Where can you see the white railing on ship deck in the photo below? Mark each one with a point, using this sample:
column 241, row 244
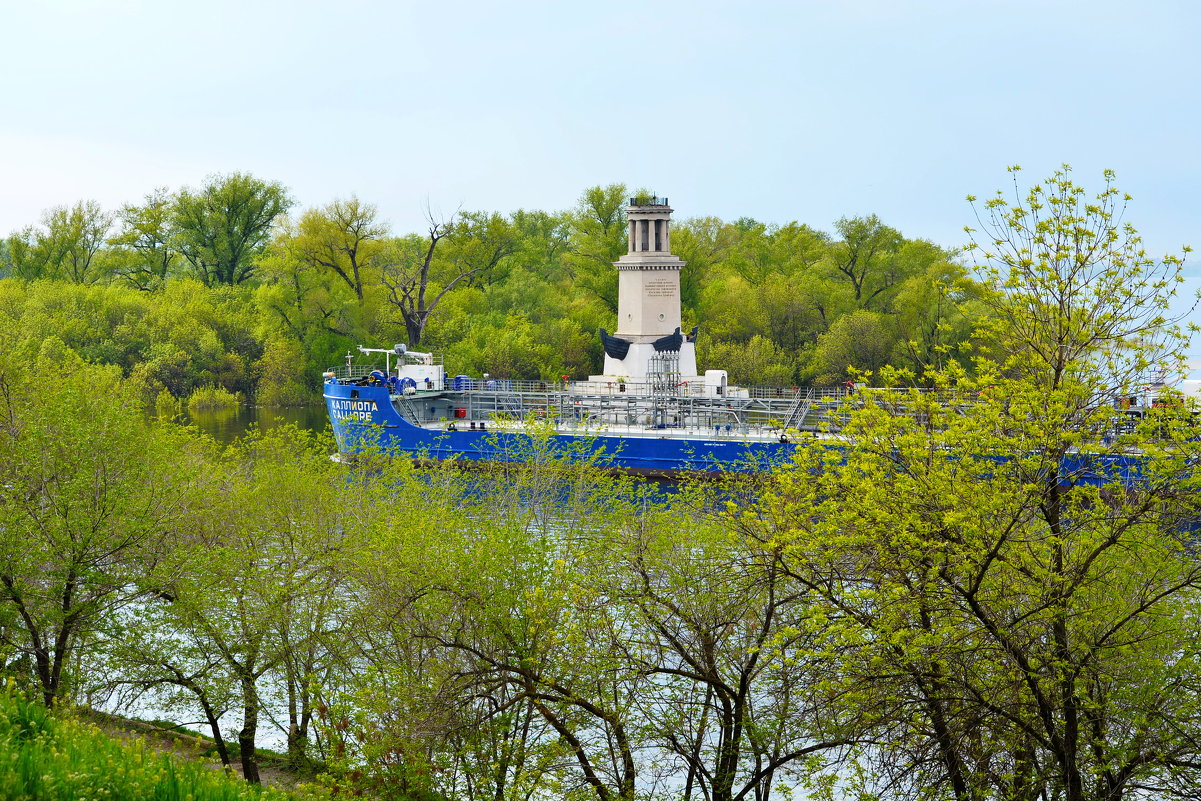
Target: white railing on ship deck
column 776, row 408
column 683, row 389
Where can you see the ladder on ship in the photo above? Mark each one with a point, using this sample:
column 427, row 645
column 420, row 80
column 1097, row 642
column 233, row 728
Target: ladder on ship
column 664, row 374
column 408, row 410
column 799, row 410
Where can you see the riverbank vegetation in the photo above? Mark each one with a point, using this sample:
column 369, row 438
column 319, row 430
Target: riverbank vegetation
column 958, row 602
column 229, row 286
column 58, row 756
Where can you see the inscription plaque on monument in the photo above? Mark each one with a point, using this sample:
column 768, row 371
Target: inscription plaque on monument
column 659, row 288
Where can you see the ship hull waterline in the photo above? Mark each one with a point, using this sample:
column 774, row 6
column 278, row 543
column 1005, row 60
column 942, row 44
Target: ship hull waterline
column 363, row 417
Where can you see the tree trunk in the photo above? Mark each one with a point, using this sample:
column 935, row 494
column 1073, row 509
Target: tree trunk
column 413, row 328
column 250, row 724
column 218, row 739
column 298, row 718
column 298, row 746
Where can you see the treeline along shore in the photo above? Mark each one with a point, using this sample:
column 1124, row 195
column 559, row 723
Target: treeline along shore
column 939, row 607
column 229, row 290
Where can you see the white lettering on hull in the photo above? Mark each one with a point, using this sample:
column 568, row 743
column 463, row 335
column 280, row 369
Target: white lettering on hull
column 360, row 410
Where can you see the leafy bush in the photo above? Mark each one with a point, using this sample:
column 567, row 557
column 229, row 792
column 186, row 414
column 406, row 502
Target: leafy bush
column 214, row 398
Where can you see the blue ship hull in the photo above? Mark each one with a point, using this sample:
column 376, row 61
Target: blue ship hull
column 364, row 417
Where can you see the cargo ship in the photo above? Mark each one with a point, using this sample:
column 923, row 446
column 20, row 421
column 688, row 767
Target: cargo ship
column 650, row 412
column 619, row 425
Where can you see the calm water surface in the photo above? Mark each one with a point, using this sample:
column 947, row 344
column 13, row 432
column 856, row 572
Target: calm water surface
column 226, row 425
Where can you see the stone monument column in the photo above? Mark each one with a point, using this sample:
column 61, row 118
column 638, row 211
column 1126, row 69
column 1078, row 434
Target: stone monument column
column 648, row 293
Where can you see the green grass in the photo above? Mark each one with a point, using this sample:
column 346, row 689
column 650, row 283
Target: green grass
column 201, row 744
column 54, row 757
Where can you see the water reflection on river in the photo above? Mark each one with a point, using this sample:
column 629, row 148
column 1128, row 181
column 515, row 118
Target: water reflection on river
column 227, row 424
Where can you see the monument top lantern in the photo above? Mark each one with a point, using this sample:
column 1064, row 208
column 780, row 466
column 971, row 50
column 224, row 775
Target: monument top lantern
column 650, row 225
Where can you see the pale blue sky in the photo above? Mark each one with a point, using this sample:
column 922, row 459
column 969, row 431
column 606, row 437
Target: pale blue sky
column 802, row 111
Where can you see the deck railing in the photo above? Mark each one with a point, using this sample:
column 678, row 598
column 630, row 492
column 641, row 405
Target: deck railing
column 352, row 372
column 617, row 402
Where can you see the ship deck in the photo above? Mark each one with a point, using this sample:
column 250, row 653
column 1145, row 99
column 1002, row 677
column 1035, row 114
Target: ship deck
column 587, row 408
column 655, row 411
column 623, row 430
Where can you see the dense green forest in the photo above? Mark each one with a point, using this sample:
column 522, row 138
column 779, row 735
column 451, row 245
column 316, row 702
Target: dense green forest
column 229, row 288
column 938, row 607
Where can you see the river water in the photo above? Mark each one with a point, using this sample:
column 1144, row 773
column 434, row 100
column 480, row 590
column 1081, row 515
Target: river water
column 227, row 424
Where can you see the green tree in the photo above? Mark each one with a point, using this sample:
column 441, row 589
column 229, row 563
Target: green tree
column 544, row 237
column 223, row 226
column 938, row 313
column 598, row 238
column 1007, row 616
column 1077, row 297
column 146, row 239
column 857, row 343
column 310, row 303
column 724, row 634
column 147, row 658
column 868, row 258
column 254, row 587
column 762, row 250
column 702, row 242
column 66, row 246
column 492, row 643
column 419, row 274
column 92, row 497
column 341, row 237
column 799, row 309
column 755, row 362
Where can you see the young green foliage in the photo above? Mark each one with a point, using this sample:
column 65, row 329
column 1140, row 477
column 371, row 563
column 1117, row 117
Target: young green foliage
column 1007, row 589
column 92, row 496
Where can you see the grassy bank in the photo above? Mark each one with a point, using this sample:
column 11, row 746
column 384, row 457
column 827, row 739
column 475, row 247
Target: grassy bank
column 51, row 756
